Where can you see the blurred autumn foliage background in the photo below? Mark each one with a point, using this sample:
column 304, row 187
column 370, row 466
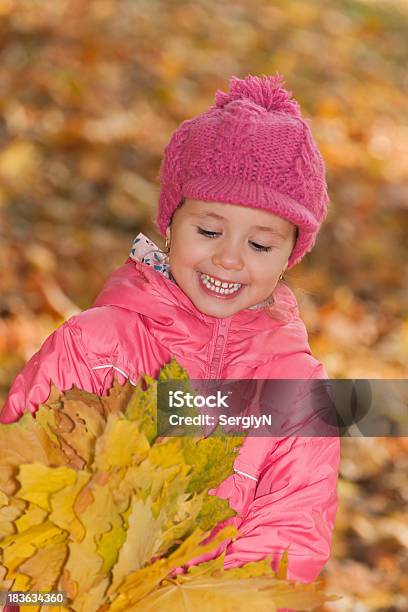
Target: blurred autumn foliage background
column 90, row 92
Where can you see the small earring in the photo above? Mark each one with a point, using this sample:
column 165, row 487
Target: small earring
column 280, row 276
column 167, row 245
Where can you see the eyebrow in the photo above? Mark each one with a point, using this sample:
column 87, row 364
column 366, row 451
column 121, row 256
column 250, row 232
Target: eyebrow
column 262, row 228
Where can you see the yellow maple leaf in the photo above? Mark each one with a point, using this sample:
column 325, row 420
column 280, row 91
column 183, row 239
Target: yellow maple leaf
column 38, row 481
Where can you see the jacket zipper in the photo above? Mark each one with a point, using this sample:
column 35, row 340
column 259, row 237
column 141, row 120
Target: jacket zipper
column 215, row 368
column 218, row 348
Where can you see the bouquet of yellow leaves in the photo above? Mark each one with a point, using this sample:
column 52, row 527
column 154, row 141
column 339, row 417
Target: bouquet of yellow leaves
column 93, row 504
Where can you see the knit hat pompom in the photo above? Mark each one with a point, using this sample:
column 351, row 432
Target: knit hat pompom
column 266, row 91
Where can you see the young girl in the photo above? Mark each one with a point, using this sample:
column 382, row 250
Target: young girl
column 243, row 196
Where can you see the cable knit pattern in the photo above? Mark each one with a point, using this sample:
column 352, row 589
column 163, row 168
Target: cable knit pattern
column 252, row 148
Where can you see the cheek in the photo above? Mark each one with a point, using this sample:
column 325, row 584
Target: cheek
column 266, row 281
column 194, row 252
column 184, row 259
column 256, row 273
column 265, row 269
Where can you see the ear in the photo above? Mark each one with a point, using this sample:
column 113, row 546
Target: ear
column 168, row 234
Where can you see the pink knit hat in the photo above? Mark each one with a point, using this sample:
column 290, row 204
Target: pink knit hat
column 252, row 148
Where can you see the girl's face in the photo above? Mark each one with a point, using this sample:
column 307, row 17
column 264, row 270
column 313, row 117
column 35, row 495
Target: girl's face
column 214, row 244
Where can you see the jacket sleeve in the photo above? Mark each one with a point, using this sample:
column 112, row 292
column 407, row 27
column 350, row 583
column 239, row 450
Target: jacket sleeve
column 292, row 505
column 295, row 502
column 297, row 510
column 61, row 360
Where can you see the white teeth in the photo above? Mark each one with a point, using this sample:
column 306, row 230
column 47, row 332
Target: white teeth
column 218, row 286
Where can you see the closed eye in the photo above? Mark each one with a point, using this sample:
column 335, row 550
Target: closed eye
column 255, row 245
column 207, row 233
column 259, row 247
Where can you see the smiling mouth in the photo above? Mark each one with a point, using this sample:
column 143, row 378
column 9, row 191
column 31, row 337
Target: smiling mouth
column 219, row 287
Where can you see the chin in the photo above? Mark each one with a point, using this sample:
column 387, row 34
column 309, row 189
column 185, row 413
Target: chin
column 220, row 313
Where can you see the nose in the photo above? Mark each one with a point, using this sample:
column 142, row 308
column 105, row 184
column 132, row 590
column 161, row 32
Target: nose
column 228, row 256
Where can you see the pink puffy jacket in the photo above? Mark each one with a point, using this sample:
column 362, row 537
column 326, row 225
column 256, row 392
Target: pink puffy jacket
column 283, row 489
